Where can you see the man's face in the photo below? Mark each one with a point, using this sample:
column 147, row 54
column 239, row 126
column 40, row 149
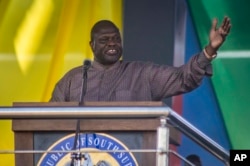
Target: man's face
column 107, row 45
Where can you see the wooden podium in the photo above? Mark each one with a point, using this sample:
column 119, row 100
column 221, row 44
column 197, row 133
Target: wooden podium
column 27, row 130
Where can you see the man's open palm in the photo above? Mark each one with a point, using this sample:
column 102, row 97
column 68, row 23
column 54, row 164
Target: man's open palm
column 218, row 35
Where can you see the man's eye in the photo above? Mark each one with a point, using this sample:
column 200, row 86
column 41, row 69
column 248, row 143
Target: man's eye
column 103, row 40
column 118, row 39
column 106, row 40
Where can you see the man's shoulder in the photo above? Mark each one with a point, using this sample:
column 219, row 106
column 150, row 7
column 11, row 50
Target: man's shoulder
column 74, row 71
column 137, row 63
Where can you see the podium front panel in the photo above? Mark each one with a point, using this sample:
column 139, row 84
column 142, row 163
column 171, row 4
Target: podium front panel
column 42, row 133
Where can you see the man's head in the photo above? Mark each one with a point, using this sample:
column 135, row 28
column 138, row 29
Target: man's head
column 106, row 42
column 194, row 159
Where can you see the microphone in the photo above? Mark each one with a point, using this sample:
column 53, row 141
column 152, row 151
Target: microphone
column 86, row 65
column 76, row 157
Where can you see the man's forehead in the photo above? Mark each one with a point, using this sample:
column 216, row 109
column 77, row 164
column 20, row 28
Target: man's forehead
column 107, row 30
column 104, row 27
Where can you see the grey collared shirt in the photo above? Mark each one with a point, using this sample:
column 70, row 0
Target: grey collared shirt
column 132, row 81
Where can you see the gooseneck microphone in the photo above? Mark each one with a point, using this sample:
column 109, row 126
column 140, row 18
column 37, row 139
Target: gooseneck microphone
column 76, row 157
column 86, row 65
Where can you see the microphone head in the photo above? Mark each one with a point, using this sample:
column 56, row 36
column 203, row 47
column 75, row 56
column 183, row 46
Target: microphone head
column 86, row 64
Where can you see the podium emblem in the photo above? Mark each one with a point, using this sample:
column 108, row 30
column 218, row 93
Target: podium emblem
column 97, row 149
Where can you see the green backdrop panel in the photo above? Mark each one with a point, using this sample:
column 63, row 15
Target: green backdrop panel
column 231, row 83
column 231, row 68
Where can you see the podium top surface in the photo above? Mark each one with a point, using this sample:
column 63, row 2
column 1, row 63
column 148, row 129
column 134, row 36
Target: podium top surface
column 91, row 104
column 88, row 110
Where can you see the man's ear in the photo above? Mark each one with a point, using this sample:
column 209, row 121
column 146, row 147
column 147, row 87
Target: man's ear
column 92, row 45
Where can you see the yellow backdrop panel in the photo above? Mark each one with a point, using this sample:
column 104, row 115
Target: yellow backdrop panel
column 41, row 40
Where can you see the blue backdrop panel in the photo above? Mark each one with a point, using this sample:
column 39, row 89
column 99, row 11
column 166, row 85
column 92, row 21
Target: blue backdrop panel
column 200, row 108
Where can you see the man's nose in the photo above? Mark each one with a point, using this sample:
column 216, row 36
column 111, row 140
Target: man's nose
column 111, row 42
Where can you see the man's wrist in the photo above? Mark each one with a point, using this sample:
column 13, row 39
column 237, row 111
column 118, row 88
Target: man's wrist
column 210, row 57
column 210, row 53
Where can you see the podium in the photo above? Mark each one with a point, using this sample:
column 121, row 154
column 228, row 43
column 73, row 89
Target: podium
column 45, row 123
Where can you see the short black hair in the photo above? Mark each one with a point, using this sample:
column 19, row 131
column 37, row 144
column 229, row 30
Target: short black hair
column 101, row 24
column 194, row 159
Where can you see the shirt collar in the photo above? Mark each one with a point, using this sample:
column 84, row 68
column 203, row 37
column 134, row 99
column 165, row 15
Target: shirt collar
column 99, row 66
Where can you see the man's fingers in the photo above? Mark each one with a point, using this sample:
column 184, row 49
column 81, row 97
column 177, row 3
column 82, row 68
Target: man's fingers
column 228, row 29
column 214, row 24
column 226, row 23
column 223, row 29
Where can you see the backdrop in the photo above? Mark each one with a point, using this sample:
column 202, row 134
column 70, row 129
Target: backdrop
column 42, row 39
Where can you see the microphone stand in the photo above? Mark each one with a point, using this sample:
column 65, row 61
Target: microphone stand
column 84, row 82
column 77, row 157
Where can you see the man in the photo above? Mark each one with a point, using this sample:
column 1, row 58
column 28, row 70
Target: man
column 110, row 79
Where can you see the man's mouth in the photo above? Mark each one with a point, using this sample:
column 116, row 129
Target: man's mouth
column 111, row 52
